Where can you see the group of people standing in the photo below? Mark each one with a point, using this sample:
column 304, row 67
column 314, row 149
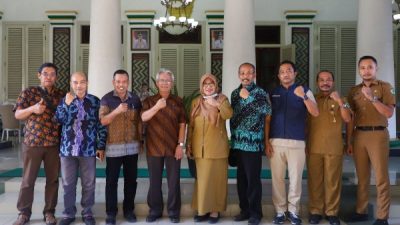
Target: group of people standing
column 290, row 125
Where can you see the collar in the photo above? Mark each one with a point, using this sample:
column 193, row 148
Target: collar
column 250, row 87
column 375, row 82
column 127, row 96
column 291, row 87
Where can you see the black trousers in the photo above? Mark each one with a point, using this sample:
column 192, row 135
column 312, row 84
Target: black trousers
column 154, row 196
column 249, row 183
column 129, row 164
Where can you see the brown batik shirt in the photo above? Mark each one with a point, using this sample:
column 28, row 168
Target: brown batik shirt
column 163, row 128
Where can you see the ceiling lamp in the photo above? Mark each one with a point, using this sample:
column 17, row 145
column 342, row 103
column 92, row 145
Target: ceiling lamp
column 177, row 19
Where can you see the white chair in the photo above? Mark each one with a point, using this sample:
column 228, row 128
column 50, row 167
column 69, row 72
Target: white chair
column 10, row 124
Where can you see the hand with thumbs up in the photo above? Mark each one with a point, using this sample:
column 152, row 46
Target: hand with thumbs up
column 39, row 107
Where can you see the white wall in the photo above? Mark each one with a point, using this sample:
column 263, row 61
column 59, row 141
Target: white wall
column 266, row 10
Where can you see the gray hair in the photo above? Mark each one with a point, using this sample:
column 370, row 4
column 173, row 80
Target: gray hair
column 167, row 71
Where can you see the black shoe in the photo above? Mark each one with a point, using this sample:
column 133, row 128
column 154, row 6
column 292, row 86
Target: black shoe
column 241, row 217
column 381, row 222
column 110, row 220
column 174, row 219
column 201, row 218
column 333, row 220
column 314, row 218
column 152, row 218
column 358, row 217
column 280, row 218
column 294, row 218
column 212, row 220
column 66, row 221
column 253, row 221
column 130, row 217
column 89, row 220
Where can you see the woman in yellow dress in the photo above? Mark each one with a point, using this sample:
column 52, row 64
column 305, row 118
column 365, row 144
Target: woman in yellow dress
column 208, row 145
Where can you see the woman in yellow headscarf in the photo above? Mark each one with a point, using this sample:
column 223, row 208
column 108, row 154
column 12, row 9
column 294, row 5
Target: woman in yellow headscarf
column 208, row 145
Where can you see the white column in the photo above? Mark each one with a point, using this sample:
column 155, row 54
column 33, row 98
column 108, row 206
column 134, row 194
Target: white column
column 105, row 55
column 375, row 37
column 239, row 41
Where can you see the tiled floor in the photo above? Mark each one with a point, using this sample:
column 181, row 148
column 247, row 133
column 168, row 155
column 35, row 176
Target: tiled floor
column 11, row 158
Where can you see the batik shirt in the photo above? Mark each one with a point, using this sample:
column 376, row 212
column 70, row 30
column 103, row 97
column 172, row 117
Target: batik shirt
column 82, row 132
column 40, row 129
column 247, row 122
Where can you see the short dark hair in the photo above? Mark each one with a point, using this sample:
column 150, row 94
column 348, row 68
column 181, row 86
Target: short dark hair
column 120, row 72
column 247, row 64
column 325, row 71
column 288, row 62
column 48, row 64
column 365, row 57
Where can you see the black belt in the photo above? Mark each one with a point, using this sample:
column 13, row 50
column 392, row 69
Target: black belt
column 370, row 128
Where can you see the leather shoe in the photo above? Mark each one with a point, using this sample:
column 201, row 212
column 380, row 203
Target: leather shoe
column 110, row 220
column 358, row 217
column 254, row 221
column 241, row 217
column 152, row 218
column 314, row 218
column 130, row 217
column 213, row 220
column 174, row 219
column 380, row 222
column 201, row 218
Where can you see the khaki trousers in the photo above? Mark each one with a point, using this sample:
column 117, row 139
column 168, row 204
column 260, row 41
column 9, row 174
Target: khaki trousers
column 293, row 159
column 324, row 183
column 32, row 159
column 371, row 148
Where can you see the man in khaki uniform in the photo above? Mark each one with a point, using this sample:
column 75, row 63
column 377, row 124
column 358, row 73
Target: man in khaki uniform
column 325, row 151
column 373, row 103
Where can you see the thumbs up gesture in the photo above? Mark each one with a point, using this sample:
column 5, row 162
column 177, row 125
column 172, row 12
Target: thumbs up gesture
column 39, row 107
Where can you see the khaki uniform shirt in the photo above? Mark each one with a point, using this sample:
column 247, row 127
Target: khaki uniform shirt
column 207, row 140
column 325, row 130
column 365, row 113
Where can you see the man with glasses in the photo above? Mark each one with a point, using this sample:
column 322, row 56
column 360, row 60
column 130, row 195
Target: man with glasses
column 291, row 103
column 37, row 106
column 120, row 112
column 164, row 115
column 251, row 109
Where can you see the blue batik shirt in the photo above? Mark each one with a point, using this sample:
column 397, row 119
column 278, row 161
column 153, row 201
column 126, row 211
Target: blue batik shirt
column 82, row 133
column 247, row 122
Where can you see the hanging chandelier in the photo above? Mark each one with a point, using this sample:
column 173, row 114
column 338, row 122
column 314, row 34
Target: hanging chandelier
column 177, row 19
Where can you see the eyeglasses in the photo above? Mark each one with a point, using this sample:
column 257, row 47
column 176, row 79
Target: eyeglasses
column 164, row 81
column 208, row 84
column 48, row 74
column 246, row 73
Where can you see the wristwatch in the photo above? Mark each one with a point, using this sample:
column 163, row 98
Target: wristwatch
column 374, row 99
column 305, row 97
column 181, row 144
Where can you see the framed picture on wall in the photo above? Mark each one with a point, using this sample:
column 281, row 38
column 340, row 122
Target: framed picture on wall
column 140, row 38
column 216, row 39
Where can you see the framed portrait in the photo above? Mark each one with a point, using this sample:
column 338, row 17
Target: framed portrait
column 140, row 38
column 216, row 39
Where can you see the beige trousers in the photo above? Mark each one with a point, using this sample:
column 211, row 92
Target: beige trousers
column 292, row 159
